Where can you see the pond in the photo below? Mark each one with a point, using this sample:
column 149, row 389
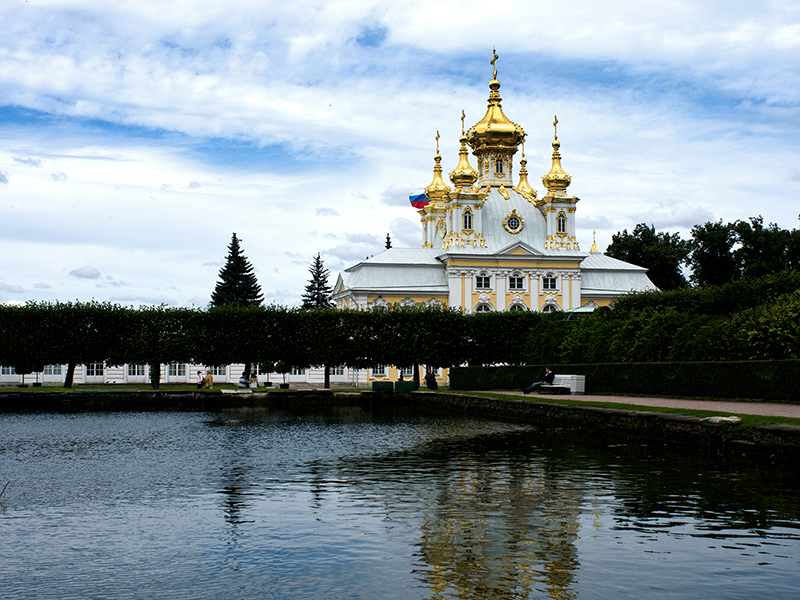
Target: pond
column 359, row 503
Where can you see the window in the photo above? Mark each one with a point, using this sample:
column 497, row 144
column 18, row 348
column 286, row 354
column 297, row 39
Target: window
column 498, row 166
column 517, row 307
column 94, row 370
column 52, row 370
column 8, row 370
column 515, row 283
column 298, row 371
column 379, row 371
column 136, row 371
column 177, row 370
column 467, row 219
column 548, row 308
column 561, row 223
column 483, row 308
column 483, row 282
column 549, row 282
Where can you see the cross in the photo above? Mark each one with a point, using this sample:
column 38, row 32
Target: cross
column 555, row 125
column 463, row 116
column 493, row 62
column 437, row 141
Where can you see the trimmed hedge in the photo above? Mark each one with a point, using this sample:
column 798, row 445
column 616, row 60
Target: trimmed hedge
column 765, row 380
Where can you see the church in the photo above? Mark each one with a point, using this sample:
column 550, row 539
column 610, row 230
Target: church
column 490, row 241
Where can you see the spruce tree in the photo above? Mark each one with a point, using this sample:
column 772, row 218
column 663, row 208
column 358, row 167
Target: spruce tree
column 238, row 283
column 318, row 292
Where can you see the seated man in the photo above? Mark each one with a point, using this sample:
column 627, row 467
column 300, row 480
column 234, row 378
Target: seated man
column 548, row 379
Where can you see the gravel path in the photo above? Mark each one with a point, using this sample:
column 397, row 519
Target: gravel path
column 723, row 406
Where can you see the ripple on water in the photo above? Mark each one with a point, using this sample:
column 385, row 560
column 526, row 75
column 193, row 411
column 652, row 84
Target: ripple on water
column 364, row 504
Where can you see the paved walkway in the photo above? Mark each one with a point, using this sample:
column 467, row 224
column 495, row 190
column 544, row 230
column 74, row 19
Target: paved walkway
column 723, row 406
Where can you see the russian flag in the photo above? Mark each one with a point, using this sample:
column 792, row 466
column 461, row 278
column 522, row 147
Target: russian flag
column 418, row 198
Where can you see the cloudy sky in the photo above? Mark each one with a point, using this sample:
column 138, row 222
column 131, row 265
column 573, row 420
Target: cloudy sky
column 137, row 135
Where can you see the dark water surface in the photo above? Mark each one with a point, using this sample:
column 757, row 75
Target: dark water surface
column 362, row 504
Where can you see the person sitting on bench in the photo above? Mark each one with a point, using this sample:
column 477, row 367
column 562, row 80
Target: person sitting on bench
column 548, row 379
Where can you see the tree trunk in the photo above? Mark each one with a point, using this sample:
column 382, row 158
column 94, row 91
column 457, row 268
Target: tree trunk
column 327, row 377
column 416, row 376
column 155, row 376
column 70, row 375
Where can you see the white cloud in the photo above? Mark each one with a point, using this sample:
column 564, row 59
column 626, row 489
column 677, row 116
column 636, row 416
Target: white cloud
column 85, row 273
column 326, row 212
column 179, row 123
column 34, row 162
column 12, row 289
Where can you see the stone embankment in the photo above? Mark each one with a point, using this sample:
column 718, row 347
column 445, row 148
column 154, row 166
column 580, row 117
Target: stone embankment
column 718, row 435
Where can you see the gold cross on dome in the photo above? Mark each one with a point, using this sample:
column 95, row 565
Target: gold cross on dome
column 437, row 141
column 493, row 62
column 555, row 125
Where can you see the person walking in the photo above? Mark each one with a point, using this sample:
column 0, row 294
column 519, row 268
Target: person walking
column 548, row 379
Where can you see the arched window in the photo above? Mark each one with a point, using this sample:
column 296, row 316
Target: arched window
column 482, row 308
column 517, row 307
column 467, row 219
column 549, row 282
column 548, row 308
column 561, row 222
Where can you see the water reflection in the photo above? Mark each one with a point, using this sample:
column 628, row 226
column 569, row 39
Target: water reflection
column 354, row 503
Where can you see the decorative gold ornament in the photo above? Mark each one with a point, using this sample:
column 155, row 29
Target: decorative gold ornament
column 524, row 187
column 463, row 176
column 513, row 222
column 556, row 181
column 438, row 190
column 504, row 192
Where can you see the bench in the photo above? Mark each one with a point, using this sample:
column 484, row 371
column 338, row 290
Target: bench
column 575, row 383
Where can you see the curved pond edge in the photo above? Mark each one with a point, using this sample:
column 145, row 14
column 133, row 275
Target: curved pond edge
column 774, row 440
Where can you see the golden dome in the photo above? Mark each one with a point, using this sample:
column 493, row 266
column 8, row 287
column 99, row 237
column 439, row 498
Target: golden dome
column 495, row 130
column 438, row 190
column 463, row 176
column 556, row 181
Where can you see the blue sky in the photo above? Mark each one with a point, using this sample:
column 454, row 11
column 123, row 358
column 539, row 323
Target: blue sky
column 137, row 136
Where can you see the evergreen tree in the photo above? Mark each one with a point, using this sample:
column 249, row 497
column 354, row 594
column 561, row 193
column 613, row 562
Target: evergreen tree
column 238, row 284
column 318, row 292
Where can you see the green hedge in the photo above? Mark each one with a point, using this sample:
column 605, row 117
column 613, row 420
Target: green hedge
column 766, row 380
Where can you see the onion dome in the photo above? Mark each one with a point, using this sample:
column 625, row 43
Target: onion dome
column 524, row 187
column 463, row 176
column 556, row 181
column 495, row 130
column 438, row 190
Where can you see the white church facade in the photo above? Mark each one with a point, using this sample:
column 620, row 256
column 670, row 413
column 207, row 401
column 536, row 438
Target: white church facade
column 489, row 241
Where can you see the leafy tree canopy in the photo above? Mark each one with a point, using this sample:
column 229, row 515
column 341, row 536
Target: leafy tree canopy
column 238, row 284
column 661, row 253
